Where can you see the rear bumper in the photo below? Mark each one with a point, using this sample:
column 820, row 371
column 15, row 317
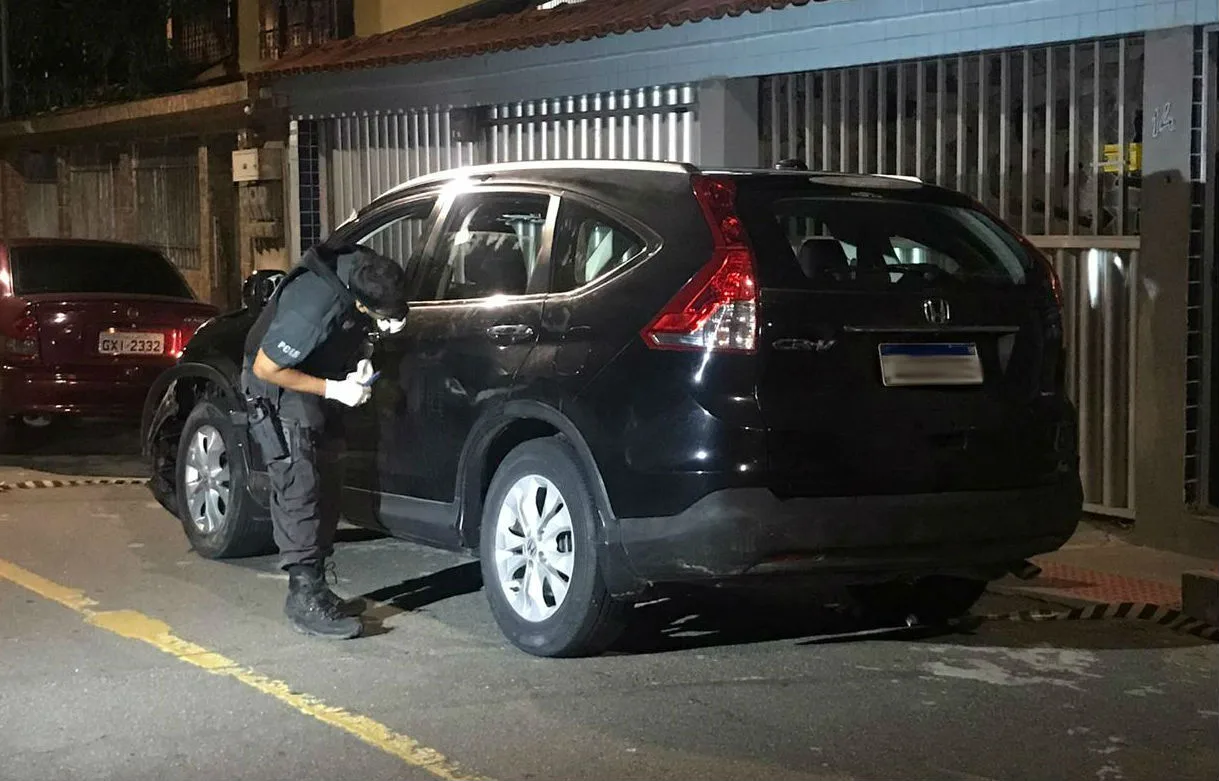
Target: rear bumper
column 104, row 392
column 751, row 532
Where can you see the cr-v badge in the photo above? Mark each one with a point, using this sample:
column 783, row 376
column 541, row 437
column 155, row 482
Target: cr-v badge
column 804, row 345
column 936, row 311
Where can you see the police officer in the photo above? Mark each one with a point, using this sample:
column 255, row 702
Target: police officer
column 307, row 353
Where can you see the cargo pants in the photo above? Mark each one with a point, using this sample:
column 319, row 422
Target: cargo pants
column 306, row 484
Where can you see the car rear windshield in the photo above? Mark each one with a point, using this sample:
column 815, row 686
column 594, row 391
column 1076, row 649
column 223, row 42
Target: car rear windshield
column 94, row 269
column 862, row 242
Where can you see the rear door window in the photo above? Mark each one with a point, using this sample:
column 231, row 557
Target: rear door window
column 589, row 245
column 858, row 242
column 65, row 269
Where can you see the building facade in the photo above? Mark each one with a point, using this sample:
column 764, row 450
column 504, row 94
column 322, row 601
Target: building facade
column 1088, row 124
column 147, row 162
column 191, row 161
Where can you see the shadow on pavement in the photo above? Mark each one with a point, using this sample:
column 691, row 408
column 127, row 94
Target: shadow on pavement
column 694, row 619
column 79, row 449
column 682, row 619
column 689, row 619
column 418, row 593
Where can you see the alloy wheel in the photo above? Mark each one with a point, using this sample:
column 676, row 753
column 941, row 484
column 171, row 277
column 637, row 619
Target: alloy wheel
column 207, row 479
column 534, row 548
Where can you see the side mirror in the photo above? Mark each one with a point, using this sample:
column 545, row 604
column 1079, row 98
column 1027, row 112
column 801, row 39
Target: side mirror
column 259, row 287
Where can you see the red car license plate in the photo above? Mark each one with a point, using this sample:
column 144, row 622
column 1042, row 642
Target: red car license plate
column 130, row 343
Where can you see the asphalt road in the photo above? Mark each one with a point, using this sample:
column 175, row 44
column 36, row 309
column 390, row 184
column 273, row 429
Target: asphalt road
column 93, row 687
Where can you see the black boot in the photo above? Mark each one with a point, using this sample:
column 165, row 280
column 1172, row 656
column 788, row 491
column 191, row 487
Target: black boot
column 309, row 610
column 348, row 607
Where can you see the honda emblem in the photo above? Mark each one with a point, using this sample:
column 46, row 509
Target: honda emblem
column 937, row 311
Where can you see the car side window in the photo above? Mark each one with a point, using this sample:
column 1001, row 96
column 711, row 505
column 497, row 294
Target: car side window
column 588, row 245
column 401, row 236
column 490, row 245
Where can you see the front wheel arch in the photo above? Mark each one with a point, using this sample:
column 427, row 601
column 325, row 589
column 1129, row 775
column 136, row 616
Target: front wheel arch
column 222, row 379
column 171, row 401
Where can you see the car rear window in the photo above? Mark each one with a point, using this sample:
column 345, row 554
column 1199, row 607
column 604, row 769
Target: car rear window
column 867, row 242
column 94, row 269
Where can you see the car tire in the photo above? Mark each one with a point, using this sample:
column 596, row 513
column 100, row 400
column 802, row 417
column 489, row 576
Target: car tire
column 931, row 600
column 219, row 517
column 586, row 620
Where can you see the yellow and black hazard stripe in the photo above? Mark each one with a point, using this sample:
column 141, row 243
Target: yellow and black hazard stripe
column 1171, row 618
column 28, row 485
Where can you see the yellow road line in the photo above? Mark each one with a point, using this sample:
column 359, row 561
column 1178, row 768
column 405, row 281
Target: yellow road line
column 137, row 626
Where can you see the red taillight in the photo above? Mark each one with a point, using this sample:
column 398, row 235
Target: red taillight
column 716, row 311
column 179, row 337
column 19, row 342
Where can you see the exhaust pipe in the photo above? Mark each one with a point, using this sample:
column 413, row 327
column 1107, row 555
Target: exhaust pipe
column 1026, row 570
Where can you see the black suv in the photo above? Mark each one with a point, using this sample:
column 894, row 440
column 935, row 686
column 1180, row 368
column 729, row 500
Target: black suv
column 619, row 375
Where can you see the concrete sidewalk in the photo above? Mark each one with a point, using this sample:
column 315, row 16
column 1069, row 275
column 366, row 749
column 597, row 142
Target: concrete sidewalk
column 1098, row 565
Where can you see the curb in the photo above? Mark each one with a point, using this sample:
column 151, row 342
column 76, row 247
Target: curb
column 28, row 485
column 1200, row 594
column 1171, row 618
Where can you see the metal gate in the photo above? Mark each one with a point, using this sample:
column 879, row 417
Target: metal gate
column 167, row 202
column 41, row 172
column 363, row 156
column 367, row 155
column 42, row 209
column 91, row 194
column 655, row 123
column 1048, row 138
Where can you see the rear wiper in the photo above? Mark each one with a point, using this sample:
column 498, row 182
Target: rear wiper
column 936, row 274
column 924, row 269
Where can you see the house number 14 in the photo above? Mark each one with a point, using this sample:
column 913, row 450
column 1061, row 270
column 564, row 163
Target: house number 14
column 1162, row 121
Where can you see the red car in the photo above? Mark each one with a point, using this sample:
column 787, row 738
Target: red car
column 85, row 329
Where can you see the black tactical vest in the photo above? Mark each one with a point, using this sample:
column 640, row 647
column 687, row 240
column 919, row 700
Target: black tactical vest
column 338, row 353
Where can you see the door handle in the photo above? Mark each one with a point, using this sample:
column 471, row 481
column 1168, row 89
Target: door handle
column 510, row 334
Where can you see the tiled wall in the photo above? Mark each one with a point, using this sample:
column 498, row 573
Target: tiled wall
column 1195, row 361
column 310, row 184
column 812, row 37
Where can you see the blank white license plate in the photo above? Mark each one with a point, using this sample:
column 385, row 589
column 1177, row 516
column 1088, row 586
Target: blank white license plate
column 930, row 364
column 131, row 343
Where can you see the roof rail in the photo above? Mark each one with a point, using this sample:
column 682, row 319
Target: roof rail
column 901, row 177
column 491, row 169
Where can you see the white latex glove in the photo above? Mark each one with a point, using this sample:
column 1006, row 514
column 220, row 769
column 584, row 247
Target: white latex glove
column 363, row 372
column 391, row 326
column 349, row 391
